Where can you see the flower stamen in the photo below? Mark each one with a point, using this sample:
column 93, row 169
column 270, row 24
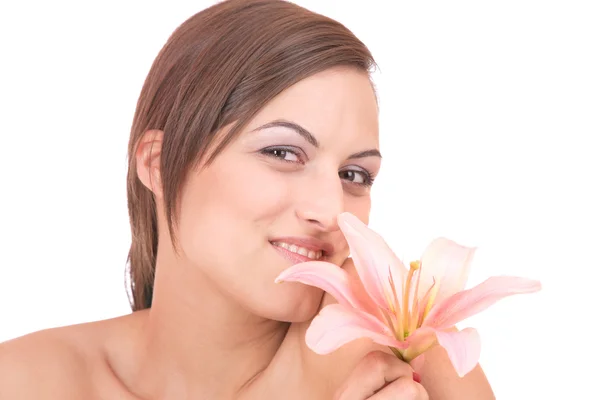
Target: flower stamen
column 414, row 265
column 414, row 323
column 431, row 294
column 396, row 309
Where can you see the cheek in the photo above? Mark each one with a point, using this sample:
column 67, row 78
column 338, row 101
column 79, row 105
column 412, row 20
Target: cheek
column 227, row 215
column 254, row 194
column 359, row 206
column 229, row 206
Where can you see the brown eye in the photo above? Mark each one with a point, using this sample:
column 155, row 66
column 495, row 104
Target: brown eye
column 356, row 177
column 279, row 153
column 282, row 153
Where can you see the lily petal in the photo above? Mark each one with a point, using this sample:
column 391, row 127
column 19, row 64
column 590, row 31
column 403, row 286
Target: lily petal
column 337, row 325
column 449, row 263
column 326, row 276
column 463, row 348
column 373, row 259
column 470, row 302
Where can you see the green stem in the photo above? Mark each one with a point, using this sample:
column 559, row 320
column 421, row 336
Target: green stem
column 397, row 353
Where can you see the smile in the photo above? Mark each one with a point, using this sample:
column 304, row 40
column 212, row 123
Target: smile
column 292, row 248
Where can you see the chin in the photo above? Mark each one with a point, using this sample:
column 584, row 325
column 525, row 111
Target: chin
column 296, row 303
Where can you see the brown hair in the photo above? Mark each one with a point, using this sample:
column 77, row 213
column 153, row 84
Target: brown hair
column 220, row 67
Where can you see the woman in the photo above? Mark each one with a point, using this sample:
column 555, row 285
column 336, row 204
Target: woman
column 257, row 125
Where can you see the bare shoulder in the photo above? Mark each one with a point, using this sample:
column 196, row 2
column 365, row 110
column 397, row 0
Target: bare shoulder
column 59, row 363
column 40, row 363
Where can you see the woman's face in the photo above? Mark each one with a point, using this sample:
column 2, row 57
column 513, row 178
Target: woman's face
column 271, row 198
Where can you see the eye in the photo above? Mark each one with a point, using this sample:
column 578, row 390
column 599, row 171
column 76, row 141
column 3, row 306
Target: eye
column 286, row 154
column 362, row 177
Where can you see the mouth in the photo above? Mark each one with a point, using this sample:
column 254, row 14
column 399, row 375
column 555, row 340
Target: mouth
column 304, row 252
column 299, row 250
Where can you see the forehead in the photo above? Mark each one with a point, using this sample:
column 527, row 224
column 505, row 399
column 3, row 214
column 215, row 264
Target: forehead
column 334, row 104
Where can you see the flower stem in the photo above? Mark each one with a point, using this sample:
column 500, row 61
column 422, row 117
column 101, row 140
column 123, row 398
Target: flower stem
column 397, row 353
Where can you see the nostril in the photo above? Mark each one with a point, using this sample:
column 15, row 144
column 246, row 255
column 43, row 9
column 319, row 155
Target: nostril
column 323, row 220
column 324, row 224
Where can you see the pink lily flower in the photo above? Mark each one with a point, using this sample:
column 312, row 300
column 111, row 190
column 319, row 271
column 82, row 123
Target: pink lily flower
column 407, row 309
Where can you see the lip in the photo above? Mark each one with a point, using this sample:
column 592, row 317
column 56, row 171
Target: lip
column 295, row 258
column 308, row 243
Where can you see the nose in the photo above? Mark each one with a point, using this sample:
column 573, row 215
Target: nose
column 320, row 205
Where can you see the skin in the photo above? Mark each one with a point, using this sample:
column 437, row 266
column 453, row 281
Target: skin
column 219, row 327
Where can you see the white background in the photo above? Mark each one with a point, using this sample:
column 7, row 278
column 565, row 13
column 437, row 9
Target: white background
column 490, row 120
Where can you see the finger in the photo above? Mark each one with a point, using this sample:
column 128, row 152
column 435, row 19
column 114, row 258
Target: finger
column 404, row 388
column 373, row 372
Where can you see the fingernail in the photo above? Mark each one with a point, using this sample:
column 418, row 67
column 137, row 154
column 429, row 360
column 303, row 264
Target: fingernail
column 416, row 377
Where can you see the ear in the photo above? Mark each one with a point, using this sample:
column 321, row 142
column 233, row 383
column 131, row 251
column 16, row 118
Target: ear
column 147, row 157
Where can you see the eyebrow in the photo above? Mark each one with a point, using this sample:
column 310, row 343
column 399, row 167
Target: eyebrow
column 366, row 153
column 310, row 138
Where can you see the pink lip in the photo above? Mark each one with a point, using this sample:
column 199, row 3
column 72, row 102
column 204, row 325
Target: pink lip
column 295, row 258
column 308, row 243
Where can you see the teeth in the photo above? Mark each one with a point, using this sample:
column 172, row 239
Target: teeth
column 313, row 255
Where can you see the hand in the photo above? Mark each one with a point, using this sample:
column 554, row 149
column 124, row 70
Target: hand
column 381, row 376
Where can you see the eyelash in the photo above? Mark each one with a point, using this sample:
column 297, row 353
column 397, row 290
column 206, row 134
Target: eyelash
column 295, row 151
column 369, row 178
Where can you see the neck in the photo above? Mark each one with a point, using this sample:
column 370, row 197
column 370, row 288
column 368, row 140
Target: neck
column 197, row 342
